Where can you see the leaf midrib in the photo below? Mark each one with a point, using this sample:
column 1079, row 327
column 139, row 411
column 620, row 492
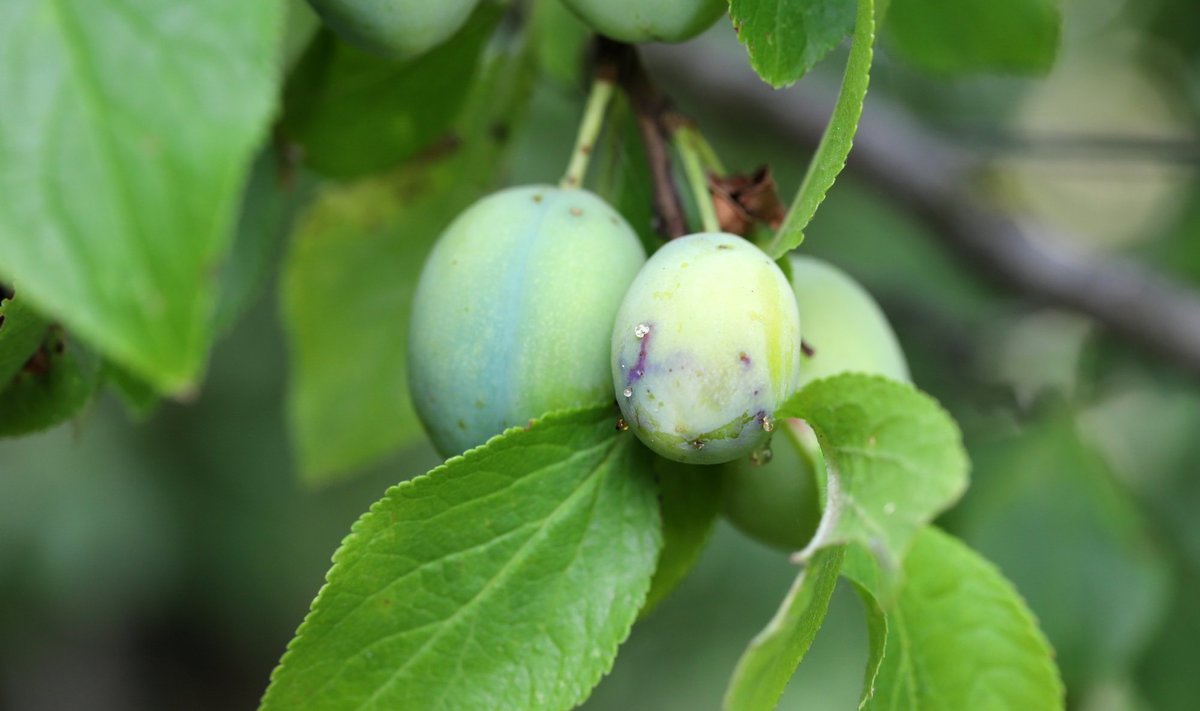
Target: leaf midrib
column 505, row 571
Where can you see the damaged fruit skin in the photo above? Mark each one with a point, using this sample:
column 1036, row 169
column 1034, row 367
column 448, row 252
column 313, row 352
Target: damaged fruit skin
column 705, row 346
column 777, row 502
column 400, row 29
column 513, row 312
column 640, row 21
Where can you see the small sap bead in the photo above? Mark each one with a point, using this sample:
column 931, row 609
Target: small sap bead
column 640, row 330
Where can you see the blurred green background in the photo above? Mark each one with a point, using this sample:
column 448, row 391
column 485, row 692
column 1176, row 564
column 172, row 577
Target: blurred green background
column 165, row 563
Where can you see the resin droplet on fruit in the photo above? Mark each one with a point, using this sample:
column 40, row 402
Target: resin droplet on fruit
column 707, row 341
column 396, row 28
column 641, row 21
column 513, row 313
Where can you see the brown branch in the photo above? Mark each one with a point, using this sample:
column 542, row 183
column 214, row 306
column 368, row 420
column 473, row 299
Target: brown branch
column 917, row 170
column 652, row 110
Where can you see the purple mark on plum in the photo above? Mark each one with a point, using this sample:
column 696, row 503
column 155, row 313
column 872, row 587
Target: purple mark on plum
column 639, row 368
column 744, row 359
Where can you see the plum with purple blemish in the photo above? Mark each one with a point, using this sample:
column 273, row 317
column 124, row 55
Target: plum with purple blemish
column 704, row 354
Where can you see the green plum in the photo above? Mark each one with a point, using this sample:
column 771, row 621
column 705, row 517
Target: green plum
column 513, row 312
column 776, row 502
column 705, row 345
column 774, row 497
column 396, row 28
column 844, row 328
column 641, row 21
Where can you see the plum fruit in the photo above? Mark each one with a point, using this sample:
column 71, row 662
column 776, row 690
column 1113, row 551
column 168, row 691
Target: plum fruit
column 400, row 29
column 641, row 21
column 513, row 312
column 705, row 345
column 843, row 326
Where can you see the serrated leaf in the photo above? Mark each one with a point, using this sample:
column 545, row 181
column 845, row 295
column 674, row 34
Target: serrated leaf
column 950, row 36
column 127, row 132
column 504, row 579
column 21, row 332
column 353, row 112
column 838, row 138
column 959, row 636
column 54, row 383
column 1045, row 484
column 350, row 273
column 785, row 38
column 768, row 663
column 689, row 501
column 894, row 460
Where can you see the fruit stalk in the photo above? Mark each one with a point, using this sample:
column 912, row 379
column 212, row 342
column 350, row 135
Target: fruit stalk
column 697, row 176
column 603, row 87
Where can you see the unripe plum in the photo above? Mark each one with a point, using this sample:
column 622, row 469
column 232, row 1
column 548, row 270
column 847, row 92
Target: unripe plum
column 513, row 312
column 705, row 345
column 641, row 21
column 844, row 327
column 776, row 502
column 774, row 499
column 395, row 28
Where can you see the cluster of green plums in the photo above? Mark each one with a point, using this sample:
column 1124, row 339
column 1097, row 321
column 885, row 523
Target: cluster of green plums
column 407, row 28
column 539, row 298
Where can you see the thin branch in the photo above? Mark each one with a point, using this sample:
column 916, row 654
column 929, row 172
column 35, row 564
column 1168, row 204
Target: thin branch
column 650, row 109
column 917, row 170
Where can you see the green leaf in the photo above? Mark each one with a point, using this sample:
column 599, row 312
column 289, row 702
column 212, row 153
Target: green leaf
column 504, row 579
column 785, row 38
column 959, row 636
column 835, row 144
column 949, row 36
column 353, row 113
column 1045, row 484
column 127, row 133
column 274, row 193
column 350, row 273
column 877, row 631
column 21, row 332
column 894, row 460
column 689, row 501
column 54, row 383
column 139, row 397
column 773, row 655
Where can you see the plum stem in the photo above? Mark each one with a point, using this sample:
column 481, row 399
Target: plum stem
column 652, row 111
column 603, row 89
column 690, row 152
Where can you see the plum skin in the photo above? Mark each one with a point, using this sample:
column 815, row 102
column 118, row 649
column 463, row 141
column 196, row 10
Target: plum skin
column 641, row 21
column 705, row 346
column 777, row 502
column 400, row 29
column 513, row 312
column 845, row 328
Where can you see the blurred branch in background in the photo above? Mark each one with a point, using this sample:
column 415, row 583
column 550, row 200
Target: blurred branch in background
column 934, row 180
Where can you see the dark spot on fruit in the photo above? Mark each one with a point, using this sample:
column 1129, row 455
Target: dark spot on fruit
column 744, row 359
column 462, row 425
column 806, row 349
column 537, row 197
column 724, row 246
column 576, row 212
column 479, row 404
